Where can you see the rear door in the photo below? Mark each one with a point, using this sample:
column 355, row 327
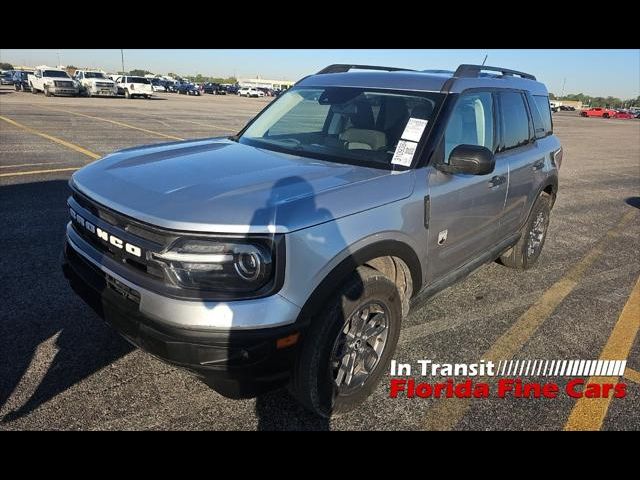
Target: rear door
column 465, row 210
column 525, row 159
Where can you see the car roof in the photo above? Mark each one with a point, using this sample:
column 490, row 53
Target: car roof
column 425, row 81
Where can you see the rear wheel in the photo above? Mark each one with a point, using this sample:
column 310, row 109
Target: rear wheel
column 127, row 94
column 347, row 349
column 524, row 254
column 605, row 115
column 33, row 90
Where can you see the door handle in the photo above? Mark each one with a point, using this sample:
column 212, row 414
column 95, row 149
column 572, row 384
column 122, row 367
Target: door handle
column 538, row 165
column 496, row 181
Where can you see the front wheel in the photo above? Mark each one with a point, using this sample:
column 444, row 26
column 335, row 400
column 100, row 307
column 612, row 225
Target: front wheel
column 348, row 347
column 47, row 93
column 127, row 94
column 606, row 115
column 524, row 254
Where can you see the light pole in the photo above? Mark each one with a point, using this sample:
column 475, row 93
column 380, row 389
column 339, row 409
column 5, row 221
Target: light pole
column 122, row 59
column 564, row 81
column 58, row 53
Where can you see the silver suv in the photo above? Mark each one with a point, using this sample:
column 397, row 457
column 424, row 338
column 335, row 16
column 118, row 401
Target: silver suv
column 290, row 253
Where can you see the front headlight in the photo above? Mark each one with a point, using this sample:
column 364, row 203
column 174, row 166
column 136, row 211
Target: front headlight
column 234, row 266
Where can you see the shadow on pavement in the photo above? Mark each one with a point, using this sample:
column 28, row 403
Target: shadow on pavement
column 38, row 303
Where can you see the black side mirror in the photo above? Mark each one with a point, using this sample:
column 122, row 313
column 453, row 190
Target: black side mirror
column 470, row 160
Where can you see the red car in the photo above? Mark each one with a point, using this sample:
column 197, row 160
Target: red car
column 599, row 112
column 624, row 115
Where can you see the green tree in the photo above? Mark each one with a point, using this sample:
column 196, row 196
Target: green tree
column 6, row 66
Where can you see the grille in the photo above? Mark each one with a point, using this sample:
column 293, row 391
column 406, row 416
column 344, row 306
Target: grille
column 103, row 84
column 63, row 83
column 123, row 228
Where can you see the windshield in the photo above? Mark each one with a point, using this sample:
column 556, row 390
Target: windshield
column 345, row 124
column 137, row 80
column 55, row 74
column 94, row 75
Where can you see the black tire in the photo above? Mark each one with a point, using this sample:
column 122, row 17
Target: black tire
column 313, row 376
column 525, row 254
column 33, row 90
column 127, row 94
column 605, row 115
column 47, row 93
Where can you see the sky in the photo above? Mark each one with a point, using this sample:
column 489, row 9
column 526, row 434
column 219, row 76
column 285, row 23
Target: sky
column 592, row 72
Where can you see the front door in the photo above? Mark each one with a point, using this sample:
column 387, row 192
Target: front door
column 465, row 210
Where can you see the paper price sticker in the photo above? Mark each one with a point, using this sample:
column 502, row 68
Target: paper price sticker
column 404, row 153
column 413, row 130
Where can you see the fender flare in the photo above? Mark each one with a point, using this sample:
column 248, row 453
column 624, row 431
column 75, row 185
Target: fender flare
column 340, row 273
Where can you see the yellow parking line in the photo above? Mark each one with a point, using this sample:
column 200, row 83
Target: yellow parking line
column 115, row 122
column 70, row 145
column 589, row 413
column 36, row 172
column 632, row 375
column 31, row 164
column 446, row 413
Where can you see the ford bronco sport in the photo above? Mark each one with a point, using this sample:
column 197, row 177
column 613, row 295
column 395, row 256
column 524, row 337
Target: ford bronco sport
column 291, row 252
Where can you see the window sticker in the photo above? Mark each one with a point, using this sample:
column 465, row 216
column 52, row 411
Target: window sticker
column 404, row 153
column 413, row 130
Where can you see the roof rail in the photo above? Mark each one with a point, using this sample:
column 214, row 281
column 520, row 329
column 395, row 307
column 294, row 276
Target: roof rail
column 341, row 68
column 466, row 70
column 448, row 72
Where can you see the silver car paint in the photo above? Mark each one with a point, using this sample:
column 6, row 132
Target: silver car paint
column 328, row 211
column 237, row 188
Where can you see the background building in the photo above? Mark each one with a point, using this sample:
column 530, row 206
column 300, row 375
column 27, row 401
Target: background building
column 264, row 83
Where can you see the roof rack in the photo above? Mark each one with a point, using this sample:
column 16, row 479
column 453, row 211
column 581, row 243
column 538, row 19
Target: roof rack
column 341, row 68
column 466, row 70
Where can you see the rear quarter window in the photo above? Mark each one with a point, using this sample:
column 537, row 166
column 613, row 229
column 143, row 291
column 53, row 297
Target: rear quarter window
column 541, row 114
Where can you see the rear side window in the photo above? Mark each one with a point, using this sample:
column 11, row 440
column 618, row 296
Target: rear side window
column 541, row 114
column 515, row 120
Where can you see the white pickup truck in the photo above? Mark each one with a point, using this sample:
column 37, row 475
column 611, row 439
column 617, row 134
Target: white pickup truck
column 52, row 81
column 95, row 83
column 134, row 86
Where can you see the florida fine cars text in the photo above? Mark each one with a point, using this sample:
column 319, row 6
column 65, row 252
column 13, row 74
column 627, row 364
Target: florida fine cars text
column 457, row 382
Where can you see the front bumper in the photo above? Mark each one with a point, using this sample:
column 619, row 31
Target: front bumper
column 238, row 363
column 103, row 91
column 63, row 90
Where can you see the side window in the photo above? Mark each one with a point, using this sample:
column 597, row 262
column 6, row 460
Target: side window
column 515, row 120
column 471, row 123
column 541, row 114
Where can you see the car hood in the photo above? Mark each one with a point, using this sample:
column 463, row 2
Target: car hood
column 217, row 185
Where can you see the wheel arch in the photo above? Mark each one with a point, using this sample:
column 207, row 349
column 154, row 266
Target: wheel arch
column 377, row 255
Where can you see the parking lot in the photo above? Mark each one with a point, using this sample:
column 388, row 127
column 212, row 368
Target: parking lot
column 62, row 368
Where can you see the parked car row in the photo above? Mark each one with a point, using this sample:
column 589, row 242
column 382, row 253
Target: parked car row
column 89, row 83
column 603, row 112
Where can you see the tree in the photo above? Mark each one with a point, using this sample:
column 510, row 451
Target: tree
column 6, row 66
